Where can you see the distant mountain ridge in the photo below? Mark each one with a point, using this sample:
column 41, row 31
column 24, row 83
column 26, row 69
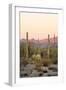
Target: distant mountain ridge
column 43, row 43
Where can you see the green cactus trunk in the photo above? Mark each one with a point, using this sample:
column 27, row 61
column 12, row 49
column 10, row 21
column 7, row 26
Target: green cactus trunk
column 38, row 47
column 54, row 40
column 48, row 46
column 26, row 44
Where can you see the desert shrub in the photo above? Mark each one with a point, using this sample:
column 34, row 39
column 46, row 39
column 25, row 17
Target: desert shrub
column 22, row 50
column 43, row 52
column 37, row 61
column 36, row 57
column 46, row 61
column 38, row 66
column 55, row 60
column 53, row 52
column 24, row 61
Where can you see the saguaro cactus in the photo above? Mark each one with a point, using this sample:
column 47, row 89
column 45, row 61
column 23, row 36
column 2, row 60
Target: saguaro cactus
column 26, row 44
column 38, row 47
column 54, row 39
column 48, row 45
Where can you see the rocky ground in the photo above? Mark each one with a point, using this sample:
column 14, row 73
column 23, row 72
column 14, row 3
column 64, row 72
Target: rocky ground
column 30, row 70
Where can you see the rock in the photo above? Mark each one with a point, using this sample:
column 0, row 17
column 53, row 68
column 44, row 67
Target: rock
column 30, row 66
column 34, row 73
column 40, row 73
column 22, row 67
column 51, row 73
column 44, row 68
column 23, row 74
column 53, row 67
column 27, row 70
column 45, row 74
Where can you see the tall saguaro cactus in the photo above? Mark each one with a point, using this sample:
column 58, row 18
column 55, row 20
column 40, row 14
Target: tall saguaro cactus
column 48, row 45
column 54, row 39
column 26, row 44
column 38, row 46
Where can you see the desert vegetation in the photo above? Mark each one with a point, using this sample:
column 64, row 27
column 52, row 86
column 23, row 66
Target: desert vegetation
column 36, row 60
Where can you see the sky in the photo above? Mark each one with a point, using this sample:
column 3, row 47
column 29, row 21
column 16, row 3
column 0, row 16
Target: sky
column 38, row 25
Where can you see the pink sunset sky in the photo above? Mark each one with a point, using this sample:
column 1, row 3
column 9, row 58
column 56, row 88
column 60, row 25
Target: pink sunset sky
column 38, row 25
